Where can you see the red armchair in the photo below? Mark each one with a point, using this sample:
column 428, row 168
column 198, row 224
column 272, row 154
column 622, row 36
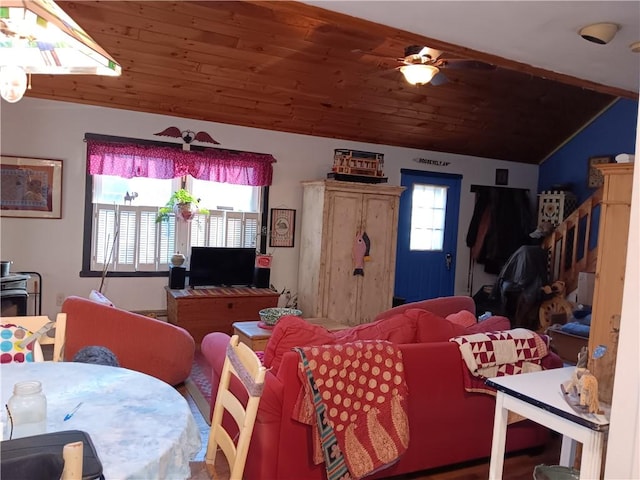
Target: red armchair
column 140, row 343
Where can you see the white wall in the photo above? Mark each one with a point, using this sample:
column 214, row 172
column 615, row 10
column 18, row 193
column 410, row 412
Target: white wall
column 47, row 129
column 623, row 446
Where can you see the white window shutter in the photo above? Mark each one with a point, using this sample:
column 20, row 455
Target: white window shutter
column 216, row 228
column 198, row 230
column 251, row 225
column 233, row 225
column 127, row 239
column 147, row 239
column 166, row 244
column 221, row 228
column 103, row 239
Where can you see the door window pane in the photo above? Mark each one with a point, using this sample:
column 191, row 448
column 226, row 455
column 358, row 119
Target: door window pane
column 428, row 210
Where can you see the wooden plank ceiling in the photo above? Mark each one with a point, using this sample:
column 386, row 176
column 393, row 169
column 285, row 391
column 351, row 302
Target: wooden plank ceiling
column 291, row 67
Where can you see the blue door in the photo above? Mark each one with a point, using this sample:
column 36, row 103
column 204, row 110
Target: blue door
column 427, row 235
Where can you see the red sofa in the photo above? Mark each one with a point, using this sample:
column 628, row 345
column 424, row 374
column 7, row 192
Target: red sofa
column 447, row 424
column 140, row 343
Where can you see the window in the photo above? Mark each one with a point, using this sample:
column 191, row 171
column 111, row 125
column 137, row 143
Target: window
column 428, row 210
column 128, row 180
column 125, row 233
column 233, row 219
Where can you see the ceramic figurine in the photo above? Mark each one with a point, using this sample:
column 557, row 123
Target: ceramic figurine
column 581, row 392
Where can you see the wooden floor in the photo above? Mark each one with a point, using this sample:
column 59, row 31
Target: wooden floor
column 202, row 424
column 516, row 467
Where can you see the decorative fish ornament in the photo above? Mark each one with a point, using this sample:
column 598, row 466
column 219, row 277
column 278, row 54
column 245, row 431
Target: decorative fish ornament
column 360, row 252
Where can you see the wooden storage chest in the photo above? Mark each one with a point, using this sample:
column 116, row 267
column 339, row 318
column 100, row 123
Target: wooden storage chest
column 202, row 311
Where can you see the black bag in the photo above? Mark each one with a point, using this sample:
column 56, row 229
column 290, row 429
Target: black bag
column 40, row 457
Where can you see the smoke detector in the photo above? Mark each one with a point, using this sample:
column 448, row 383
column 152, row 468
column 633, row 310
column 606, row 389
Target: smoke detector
column 600, row 33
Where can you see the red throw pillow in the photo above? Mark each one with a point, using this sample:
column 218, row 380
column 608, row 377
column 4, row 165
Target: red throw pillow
column 464, row 318
column 292, row 332
column 396, row 329
column 433, row 328
column 491, row 324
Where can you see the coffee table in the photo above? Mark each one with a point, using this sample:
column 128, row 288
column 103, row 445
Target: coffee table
column 251, row 334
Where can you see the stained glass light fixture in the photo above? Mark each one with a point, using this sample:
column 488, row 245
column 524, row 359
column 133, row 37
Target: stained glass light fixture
column 38, row 37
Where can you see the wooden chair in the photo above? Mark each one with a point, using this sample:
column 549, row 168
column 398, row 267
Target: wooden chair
column 72, row 456
column 40, row 326
column 242, row 363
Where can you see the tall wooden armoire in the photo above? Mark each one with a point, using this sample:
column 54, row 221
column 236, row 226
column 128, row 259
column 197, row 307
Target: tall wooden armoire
column 333, row 213
column 613, row 233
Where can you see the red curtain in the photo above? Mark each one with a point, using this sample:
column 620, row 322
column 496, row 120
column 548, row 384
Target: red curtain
column 152, row 161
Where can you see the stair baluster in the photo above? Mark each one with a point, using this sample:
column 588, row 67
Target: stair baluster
column 569, row 245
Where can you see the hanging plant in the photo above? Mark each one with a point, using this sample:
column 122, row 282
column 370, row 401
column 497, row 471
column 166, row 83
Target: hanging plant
column 183, row 204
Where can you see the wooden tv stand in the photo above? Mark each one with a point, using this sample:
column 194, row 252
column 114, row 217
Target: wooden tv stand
column 206, row 310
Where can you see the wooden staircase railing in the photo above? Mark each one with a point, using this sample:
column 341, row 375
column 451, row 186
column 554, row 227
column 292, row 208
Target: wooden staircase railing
column 572, row 246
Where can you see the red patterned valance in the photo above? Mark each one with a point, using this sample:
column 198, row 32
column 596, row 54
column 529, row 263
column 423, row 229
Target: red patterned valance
column 153, row 161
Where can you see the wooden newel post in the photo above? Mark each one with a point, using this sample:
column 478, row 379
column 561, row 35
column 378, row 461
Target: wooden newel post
column 604, row 367
column 613, row 233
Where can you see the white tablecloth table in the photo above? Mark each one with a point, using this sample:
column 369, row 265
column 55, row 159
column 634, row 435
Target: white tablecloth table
column 538, row 397
column 142, row 428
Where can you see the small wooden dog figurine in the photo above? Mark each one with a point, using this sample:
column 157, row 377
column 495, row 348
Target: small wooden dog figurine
column 588, row 388
column 584, row 385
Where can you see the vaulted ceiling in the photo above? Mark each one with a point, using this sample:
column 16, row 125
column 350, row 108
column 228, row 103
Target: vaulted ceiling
column 293, row 67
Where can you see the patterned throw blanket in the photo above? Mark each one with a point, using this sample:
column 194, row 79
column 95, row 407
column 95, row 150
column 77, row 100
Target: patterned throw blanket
column 495, row 354
column 355, row 396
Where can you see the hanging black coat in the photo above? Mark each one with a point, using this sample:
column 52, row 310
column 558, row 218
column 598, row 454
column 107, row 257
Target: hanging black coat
column 510, row 222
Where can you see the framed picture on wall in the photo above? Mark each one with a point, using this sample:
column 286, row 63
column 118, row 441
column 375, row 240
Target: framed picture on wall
column 283, row 224
column 502, row 176
column 594, row 176
column 30, row 187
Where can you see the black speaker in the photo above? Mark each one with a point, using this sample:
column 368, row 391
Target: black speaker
column 177, row 277
column 261, row 277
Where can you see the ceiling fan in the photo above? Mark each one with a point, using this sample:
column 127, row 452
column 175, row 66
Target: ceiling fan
column 421, row 65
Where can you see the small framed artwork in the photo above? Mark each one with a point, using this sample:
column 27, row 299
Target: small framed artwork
column 594, row 176
column 30, row 187
column 283, row 224
column 502, row 176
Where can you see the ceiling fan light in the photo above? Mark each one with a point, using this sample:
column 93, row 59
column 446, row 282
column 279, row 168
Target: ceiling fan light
column 13, row 83
column 419, row 74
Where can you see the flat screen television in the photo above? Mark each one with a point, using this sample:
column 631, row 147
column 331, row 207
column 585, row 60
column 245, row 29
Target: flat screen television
column 219, row 266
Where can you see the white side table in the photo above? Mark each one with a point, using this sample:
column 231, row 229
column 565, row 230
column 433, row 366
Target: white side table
column 538, row 397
